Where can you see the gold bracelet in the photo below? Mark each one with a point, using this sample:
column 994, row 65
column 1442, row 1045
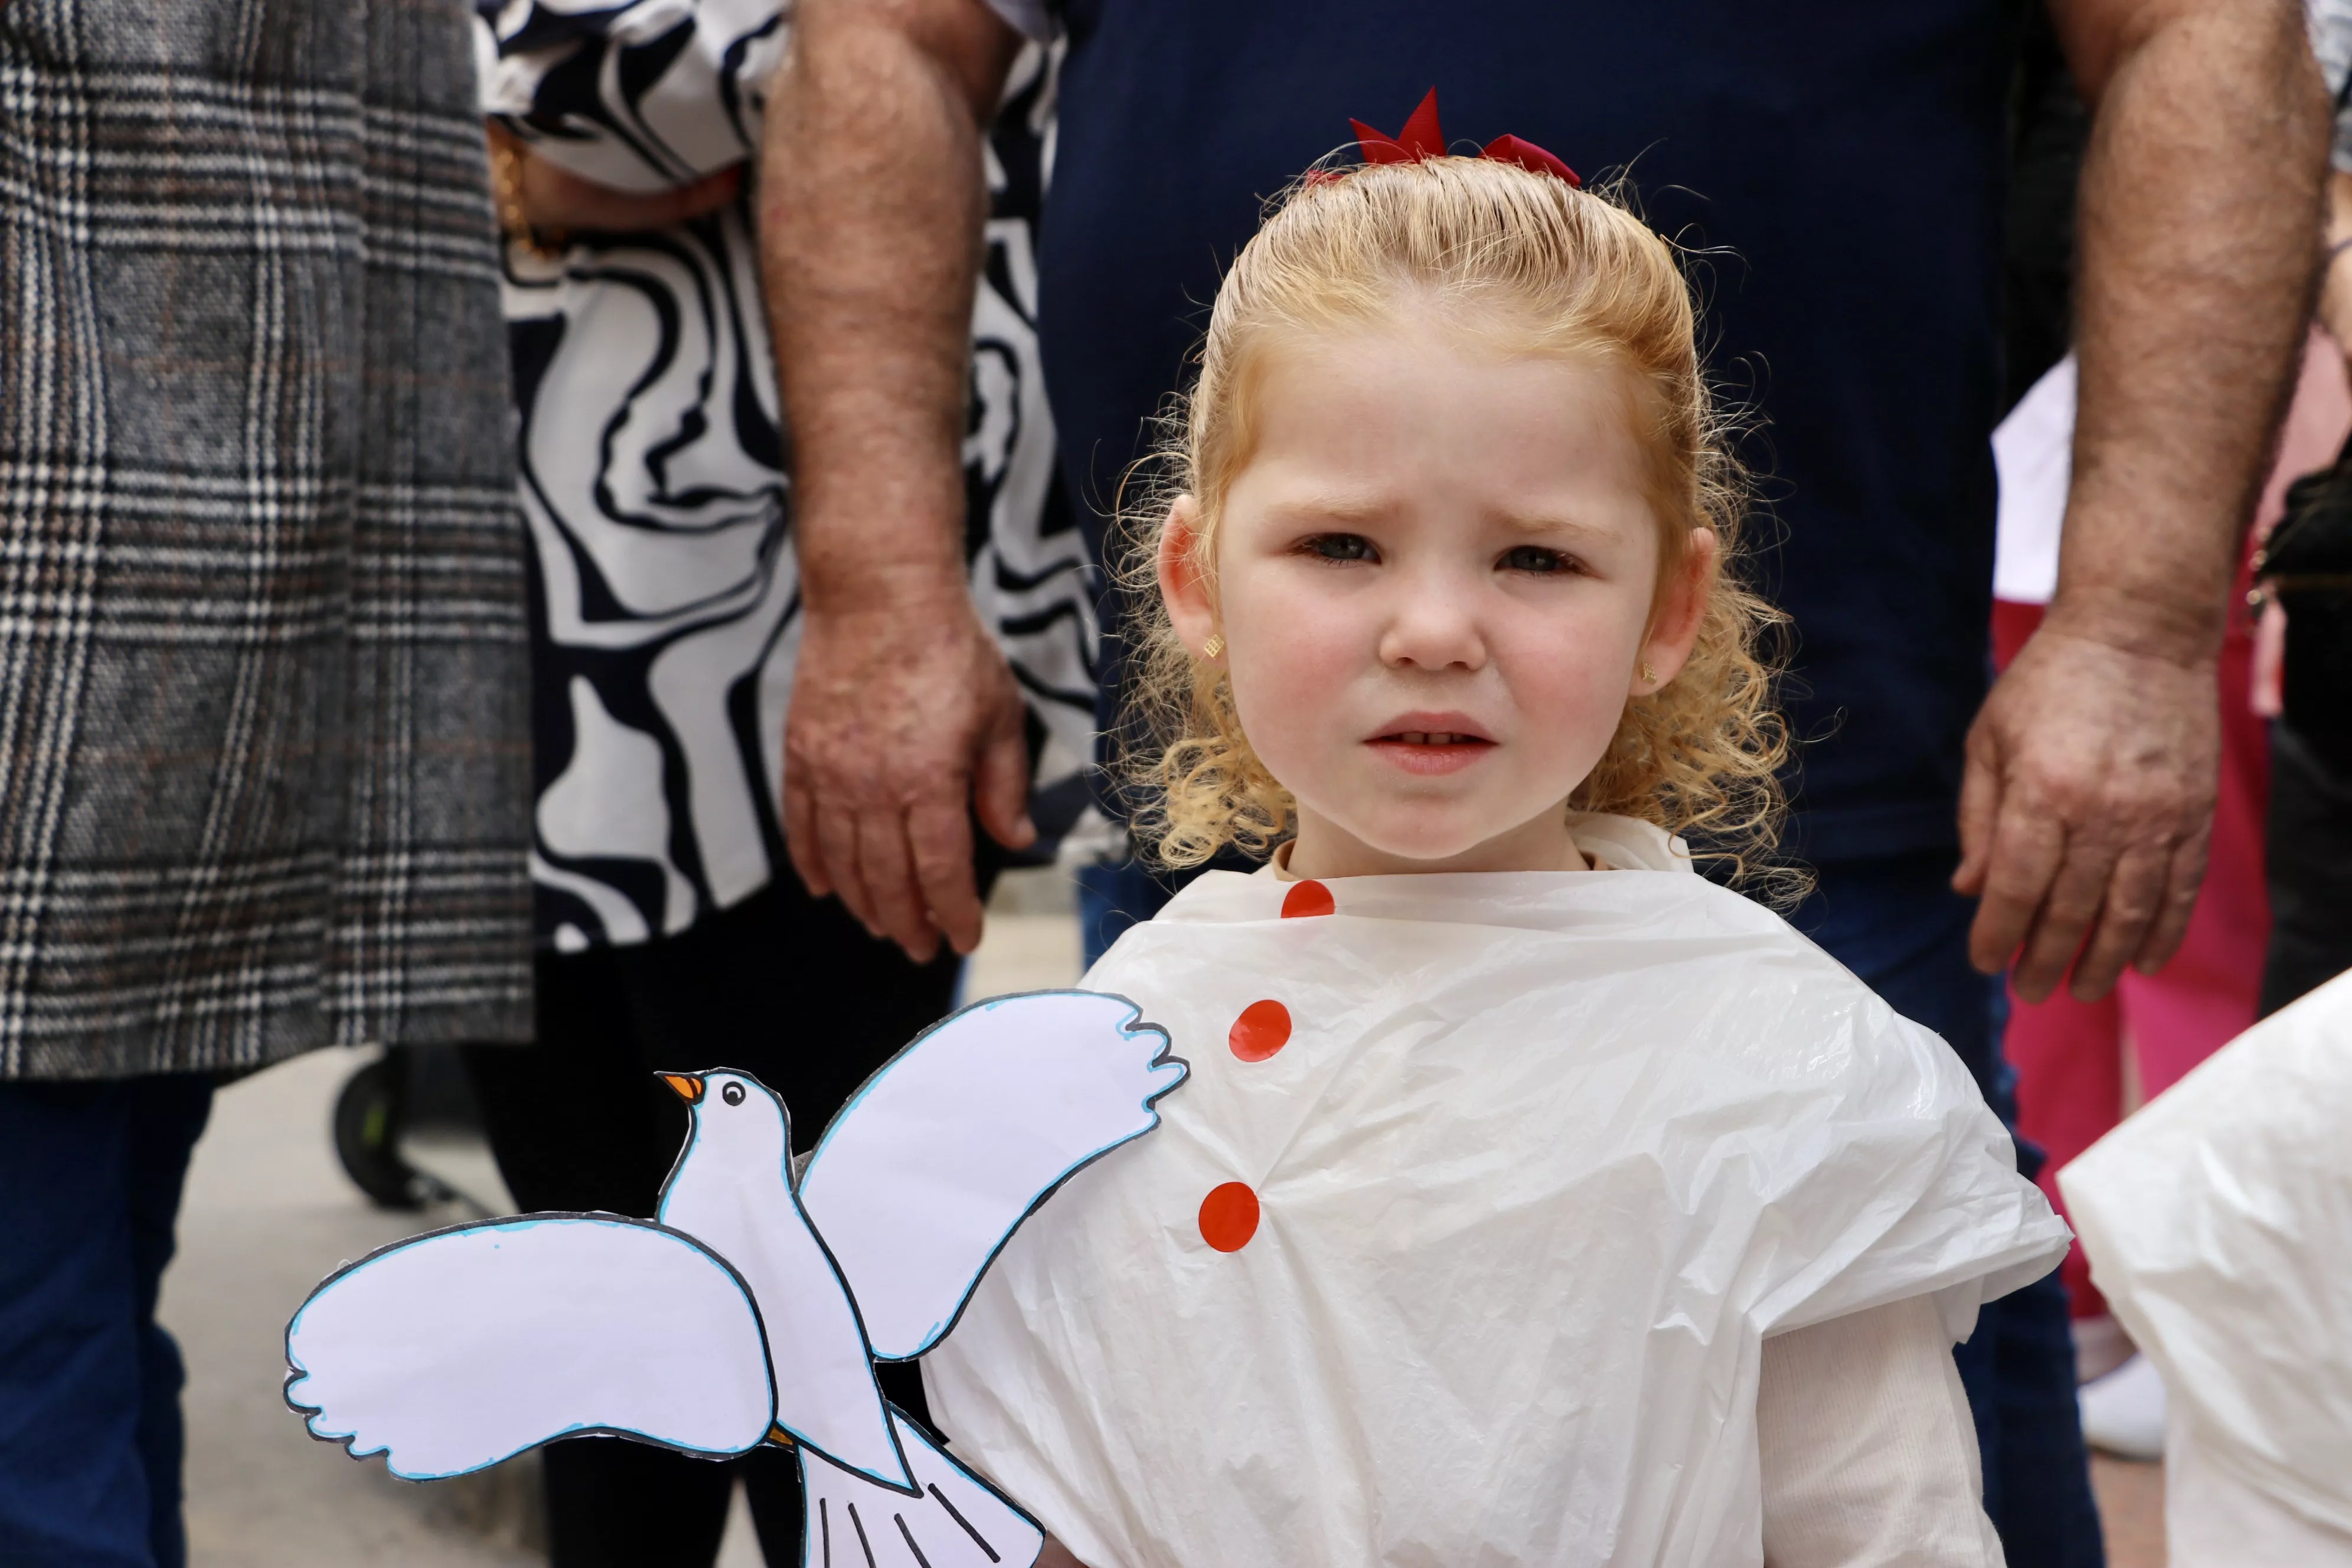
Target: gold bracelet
column 505, row 186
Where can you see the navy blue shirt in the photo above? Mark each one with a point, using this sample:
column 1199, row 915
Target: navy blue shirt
column 1850, row 157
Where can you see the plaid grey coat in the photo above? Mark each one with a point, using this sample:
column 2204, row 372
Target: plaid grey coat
column 263, row 755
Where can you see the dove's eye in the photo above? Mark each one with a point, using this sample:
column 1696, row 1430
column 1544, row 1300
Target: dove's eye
column 732, row 1094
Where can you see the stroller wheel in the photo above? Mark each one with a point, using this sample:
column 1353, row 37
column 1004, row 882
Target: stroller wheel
column 369, row 1116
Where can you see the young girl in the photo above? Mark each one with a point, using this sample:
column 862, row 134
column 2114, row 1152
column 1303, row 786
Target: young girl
column 1532, row 1199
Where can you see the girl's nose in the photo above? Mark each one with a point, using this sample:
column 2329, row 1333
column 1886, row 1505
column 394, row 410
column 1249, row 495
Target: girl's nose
column 1433, row 624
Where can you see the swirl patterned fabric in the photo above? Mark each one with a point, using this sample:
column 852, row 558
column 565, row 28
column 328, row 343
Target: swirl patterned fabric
column 652, row 473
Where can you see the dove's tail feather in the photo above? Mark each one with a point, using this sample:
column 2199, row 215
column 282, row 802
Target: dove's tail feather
column 954, row 1521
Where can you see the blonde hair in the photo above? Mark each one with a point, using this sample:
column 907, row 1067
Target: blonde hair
column 1562, row 271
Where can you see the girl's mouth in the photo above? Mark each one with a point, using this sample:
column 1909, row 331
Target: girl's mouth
column 1429, row 753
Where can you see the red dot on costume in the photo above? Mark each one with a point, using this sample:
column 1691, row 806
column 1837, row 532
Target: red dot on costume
column 1262, row 1029
column 1307, row 899
column 1229, row 1217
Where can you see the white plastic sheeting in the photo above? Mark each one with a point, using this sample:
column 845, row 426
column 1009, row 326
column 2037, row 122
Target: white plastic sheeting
column 2219, row 1225
column 2033, row 451
column 1535, row 1162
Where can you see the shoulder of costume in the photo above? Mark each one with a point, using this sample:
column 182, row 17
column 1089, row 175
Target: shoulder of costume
column 1677, row 920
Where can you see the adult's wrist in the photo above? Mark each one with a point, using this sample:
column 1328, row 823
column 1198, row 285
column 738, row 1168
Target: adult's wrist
column 2141, row 624
column 920, row 593
column 884, row 548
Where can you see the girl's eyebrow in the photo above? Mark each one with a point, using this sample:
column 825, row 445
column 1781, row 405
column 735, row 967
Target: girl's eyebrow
column 1330, row 507
column 1356, row 509
column 1547, row 525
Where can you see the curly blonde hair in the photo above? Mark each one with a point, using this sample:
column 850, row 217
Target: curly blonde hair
column 1562, row 271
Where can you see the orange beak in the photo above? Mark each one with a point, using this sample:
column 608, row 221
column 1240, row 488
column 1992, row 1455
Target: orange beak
column 687, row 1084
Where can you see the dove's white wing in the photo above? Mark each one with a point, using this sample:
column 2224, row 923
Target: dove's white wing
column 930, row 1167
column 458, row 1350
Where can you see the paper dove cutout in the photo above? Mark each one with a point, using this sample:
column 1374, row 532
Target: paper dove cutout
column 751, row 1310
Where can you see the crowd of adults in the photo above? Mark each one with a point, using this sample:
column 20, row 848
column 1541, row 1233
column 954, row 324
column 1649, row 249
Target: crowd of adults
column 714, row 742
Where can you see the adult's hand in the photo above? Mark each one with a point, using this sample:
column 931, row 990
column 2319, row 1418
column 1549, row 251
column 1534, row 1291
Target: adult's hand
column 2086, row 811
column 555, row 200
column 905, row 721
column 2088, row 794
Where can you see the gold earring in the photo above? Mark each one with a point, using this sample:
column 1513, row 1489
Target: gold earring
column 1214, row 645
column 1649, row 675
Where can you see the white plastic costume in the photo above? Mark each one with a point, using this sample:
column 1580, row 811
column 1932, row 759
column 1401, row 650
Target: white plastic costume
column 1460, row 1243
column 2217, row 1221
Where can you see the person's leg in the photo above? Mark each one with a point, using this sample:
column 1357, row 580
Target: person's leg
column 612, row 1504
column 2310, row 866
column 75, row 1430
column 1897, row 924
column 574, row 1118
column 575, row 1122
column 1110, row 899
column 2068, row 1056
column 166, row 1117
column 771, row 1486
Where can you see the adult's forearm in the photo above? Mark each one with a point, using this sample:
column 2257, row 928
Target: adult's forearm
column 2200, row 206
column 872, row 204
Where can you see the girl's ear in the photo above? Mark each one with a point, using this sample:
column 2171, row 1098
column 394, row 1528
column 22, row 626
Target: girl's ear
column 1676, row 627
column 1183, row 585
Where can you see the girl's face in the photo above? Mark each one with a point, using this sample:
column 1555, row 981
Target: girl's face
column 1434, row 579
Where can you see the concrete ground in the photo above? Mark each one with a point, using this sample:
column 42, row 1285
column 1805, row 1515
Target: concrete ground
column 269, row 1213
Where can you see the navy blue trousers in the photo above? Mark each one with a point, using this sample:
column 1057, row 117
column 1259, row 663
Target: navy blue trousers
column 91, row 1437
column 1895, row 923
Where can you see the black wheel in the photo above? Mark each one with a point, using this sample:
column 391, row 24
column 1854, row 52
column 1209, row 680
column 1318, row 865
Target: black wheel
column 369, row 1115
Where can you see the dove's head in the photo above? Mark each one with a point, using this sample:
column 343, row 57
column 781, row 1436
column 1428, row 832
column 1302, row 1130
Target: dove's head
column 740, row 1130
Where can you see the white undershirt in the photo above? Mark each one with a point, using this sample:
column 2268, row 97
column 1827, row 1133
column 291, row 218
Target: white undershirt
column 1867, row 1450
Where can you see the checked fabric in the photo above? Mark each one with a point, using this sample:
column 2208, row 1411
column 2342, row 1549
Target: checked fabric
column 263, row 755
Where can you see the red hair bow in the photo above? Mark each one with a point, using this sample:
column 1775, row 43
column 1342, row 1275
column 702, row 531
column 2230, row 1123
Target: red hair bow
column 1420, row 139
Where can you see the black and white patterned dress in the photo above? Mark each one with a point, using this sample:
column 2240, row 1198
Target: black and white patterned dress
column 668, row 606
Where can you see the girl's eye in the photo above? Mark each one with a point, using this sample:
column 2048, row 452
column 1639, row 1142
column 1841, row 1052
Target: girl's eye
column 1342, row 547
column 1534, row 558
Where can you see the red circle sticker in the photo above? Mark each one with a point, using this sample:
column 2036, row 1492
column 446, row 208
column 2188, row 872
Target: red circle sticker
column 1307, row 899
column 1262, row 1029
column 1229, row 1217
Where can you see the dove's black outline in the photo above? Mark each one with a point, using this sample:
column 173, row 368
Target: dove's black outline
column 1133, row 1024
column 296, row 1372
column 840, row 1280
column 795, row 1173
column 974, row 1477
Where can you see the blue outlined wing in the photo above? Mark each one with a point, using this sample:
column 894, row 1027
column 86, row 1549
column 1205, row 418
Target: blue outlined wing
column 452, row 1351
column 949, row 1148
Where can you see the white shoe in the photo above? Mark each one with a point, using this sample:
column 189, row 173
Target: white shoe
column 2123, row 1412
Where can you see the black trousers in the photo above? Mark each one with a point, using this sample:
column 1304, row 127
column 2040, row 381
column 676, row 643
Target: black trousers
column 782, row 986
column 2309, row 866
